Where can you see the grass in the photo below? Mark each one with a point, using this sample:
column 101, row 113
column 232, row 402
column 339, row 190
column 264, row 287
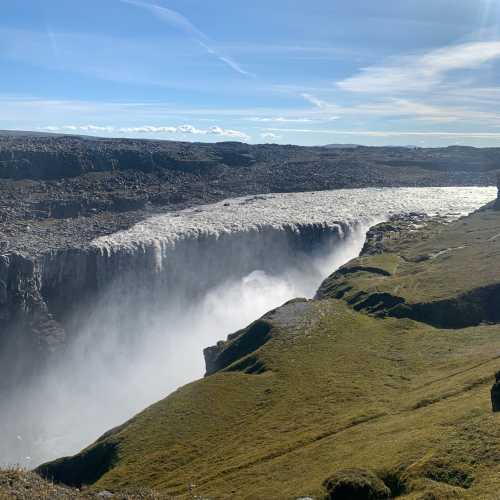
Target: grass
column 443, row 275
column 341, row 390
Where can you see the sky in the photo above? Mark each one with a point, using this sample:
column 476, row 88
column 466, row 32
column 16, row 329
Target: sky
column 411, row 72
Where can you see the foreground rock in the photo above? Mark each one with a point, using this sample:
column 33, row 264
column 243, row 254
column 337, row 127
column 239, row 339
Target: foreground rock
column 355, row 483
column 16, row 484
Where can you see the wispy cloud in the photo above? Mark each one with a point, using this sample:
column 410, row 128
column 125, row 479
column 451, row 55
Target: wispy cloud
column 397, row 133
column 168, row 15
column 319, row 103
column 284, row 119
column 41, row 110
column 421, row 72
column 406, row 108
column 279, row 119
column 177, row 20
column 148, row 129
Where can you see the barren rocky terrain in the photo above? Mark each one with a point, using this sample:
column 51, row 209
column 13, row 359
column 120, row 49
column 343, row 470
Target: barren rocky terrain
column 62, row 191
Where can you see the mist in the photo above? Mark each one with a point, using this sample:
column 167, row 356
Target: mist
column 138, row 342
column 139, row 306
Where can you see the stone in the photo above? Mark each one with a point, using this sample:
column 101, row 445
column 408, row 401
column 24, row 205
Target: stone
column 359, row 484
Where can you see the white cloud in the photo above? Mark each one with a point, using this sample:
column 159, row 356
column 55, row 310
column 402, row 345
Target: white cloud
column 283, row 119
column 148, row 129
column 189, row 129
column 269, row 136
column 422, row 72
column 92, row 128
column 397, row 133
column 406, row 108
column 235, row 134
column 51, row 129
column 181, row 22
column 280, row 119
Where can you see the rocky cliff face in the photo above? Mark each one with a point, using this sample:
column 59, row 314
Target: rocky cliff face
column 33, row 293
column 44, row 300
column 59, row 157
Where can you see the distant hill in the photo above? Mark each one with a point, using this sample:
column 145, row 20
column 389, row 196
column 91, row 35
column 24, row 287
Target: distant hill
column 27, row 133
column 342, row 146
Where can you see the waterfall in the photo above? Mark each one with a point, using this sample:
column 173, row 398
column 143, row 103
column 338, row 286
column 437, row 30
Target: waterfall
column 124, row 320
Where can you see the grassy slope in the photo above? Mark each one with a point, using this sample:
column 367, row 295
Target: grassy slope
column 435, row 264
column 341, row 389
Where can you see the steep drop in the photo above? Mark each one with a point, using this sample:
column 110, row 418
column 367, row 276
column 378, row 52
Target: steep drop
column 105, row 330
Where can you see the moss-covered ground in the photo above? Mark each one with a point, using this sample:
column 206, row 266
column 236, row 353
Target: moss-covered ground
column 444, row 265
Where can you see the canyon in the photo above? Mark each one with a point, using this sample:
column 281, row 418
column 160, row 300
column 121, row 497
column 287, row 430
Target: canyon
column 340, row 394
column 121, row 260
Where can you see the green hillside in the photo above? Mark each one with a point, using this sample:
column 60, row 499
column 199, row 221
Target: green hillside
column 350, row 380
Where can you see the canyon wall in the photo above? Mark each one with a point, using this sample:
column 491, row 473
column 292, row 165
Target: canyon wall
column 44, row 299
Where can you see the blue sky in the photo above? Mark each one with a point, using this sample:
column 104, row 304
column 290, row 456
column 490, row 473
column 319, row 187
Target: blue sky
column 422, row 72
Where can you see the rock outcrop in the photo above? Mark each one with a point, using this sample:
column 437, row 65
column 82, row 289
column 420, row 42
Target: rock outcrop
column 356, row 484
column 400, row 271
column 239, row 351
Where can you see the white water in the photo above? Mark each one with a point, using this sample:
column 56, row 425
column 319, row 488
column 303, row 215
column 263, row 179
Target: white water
column 106, row 378
column 278, row 210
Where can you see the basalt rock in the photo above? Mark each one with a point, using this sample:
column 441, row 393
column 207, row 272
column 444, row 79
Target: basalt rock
column 237, row 346
column 385, row 233
column 81, row 469
column 46, row 299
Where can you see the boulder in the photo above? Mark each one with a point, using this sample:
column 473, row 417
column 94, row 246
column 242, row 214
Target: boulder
column 359, row 484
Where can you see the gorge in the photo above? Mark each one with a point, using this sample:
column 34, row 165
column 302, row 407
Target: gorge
column 335, row 395
column 122, row 322
column 119, row 270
